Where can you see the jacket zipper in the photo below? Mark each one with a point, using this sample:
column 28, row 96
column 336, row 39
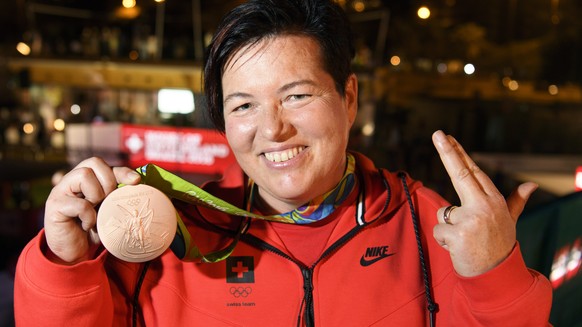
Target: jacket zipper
column 308, row 291
column 306, row 272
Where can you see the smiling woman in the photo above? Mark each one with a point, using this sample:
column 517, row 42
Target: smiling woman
column 325, row 237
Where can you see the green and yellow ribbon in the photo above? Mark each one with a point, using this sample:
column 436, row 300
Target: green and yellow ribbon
column 184, row 246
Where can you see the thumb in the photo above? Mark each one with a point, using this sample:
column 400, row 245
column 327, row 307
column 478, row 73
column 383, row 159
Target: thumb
column 518, row 198
column 126, row 175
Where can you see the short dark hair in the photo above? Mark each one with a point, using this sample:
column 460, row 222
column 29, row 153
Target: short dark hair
column 255, row 20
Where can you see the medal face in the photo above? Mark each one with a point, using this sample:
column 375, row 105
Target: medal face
column 136, row 223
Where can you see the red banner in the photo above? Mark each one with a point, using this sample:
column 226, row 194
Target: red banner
column 190, row 150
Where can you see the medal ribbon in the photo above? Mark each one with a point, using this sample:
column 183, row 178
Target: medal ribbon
column 177, row 188
column 323, row 205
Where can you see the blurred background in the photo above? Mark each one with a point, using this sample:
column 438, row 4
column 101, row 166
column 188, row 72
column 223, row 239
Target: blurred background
column 121, row 79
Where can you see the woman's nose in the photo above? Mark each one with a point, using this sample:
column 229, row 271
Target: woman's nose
column 275, row 125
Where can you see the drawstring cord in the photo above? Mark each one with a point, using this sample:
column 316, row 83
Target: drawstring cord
column 432, row 306
column 135, row 302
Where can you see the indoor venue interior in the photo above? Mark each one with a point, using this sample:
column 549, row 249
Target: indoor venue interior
column 122, row 79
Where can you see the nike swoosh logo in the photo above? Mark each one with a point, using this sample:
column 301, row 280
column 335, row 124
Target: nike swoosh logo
column 364, row 262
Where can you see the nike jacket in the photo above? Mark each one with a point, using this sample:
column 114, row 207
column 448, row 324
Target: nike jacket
column 377, row 270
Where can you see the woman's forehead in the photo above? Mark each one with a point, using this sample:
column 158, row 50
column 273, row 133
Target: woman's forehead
column 300, row 47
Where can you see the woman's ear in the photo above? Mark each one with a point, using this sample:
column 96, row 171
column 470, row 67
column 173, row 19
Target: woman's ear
column 351, row 97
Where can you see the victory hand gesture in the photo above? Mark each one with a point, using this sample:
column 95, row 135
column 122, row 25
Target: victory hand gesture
column 480, row 233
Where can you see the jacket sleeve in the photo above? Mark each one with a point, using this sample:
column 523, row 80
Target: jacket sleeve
column 508, row 295
column 49, row 294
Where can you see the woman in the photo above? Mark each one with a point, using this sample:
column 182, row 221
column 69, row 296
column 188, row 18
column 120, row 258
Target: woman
column 361, row 246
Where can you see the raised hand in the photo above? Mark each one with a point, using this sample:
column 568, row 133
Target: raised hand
column 480, row 233
column 70, row 215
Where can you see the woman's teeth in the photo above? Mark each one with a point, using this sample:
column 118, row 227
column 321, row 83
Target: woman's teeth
column 281, row 156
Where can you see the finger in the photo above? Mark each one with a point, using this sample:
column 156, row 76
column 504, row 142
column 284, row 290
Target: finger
column 125, row 175
column 81, row 182
column 102, row 172
column 518, row 198
column 95, row 172
column 461, row 176
column 448, row 211
column 72, row 207
column 484, row 181
column 442, row 233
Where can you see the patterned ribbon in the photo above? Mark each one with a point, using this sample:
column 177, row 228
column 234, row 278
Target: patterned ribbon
column 184, row 246
column 320, row 207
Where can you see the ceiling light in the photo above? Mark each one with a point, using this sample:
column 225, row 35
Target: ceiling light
column 23, row 48
column 175, row 101
column 128, row 3
column 423, row 12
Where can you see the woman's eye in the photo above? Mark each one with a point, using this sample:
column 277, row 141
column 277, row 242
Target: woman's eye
column 296, row 97
column 243, row 107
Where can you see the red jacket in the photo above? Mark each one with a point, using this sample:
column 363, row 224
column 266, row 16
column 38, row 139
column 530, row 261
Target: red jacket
column 370, row 274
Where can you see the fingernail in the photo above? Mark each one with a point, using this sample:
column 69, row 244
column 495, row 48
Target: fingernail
column 133, row 175
column 440, row 137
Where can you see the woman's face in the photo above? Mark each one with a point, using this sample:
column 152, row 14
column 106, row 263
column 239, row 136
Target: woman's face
column 285, row 121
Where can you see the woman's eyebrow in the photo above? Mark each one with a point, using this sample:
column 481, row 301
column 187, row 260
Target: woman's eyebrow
column 236, row 95
column 291, row 85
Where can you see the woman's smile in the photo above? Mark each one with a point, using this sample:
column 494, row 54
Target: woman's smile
column 282, row 156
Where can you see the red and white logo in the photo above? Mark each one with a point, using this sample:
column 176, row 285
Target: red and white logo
column 177, row 149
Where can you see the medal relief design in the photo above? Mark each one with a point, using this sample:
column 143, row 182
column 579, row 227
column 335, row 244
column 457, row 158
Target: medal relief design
column 136, row 223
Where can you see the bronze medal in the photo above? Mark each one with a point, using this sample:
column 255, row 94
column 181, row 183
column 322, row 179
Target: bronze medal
column 136, row 223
